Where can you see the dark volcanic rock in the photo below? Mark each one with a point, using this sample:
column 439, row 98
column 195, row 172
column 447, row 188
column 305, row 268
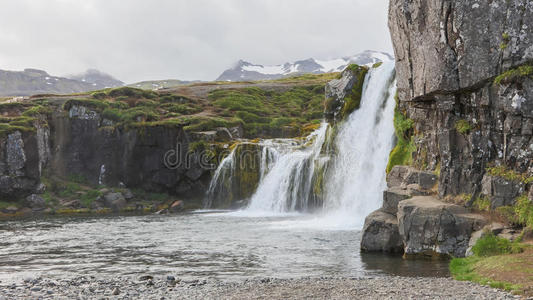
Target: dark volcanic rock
column 431, row 227
column 448, row 54
column 380, row 233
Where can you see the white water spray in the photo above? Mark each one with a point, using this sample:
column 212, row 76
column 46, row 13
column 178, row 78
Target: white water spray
column 286, row 187
column 356, row 179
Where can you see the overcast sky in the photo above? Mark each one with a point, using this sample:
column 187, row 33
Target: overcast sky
column 137, row 40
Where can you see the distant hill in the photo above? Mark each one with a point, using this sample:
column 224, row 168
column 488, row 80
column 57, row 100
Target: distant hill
column 159, row 84
column 97, row 78
column 32, row 81
column 246, row 71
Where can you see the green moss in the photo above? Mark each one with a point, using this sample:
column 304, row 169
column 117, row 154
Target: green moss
column 508, row 174
column 37, row 110
column 377, row 65
column 352, row 101
column 463, row 126
column 132, row 93
column 181, row 108
column 402, row 154
column 89, row 103
column 515, row 74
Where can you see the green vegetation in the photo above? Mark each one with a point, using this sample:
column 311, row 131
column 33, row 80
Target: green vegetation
column 10, row 125
column 508, row 174
column 506, row 39
column 496, row 262
column 403, row 151
column 463, row 126
column 261, row 112
column 491, row 245
column 481, row 203
column 88, row 198
column 309, row 78
column 515, row 74
column 353, row 99
column 524, row 211
column 377, row 65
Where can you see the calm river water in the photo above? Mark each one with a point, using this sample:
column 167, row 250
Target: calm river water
column 203, row 245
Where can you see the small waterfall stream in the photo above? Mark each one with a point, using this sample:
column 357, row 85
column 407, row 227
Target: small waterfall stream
column 343, row 176
column 286, row 186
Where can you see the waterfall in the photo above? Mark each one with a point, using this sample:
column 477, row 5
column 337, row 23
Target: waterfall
column 345, row 177
column 220, row 186
column 287, row 184
column 356, row 177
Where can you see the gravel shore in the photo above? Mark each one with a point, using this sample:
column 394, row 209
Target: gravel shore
column 146, row 287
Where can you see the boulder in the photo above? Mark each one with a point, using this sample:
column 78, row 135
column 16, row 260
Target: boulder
column 391, row 198
column 10, row 209
column 128, row 195
column 431, row 227
column 176, row 206
column 115, row 201
column 35, row 202
column 381, row 234
column 501, row 191
column 403, row 176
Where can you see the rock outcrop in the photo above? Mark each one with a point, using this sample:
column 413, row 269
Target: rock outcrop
column 413, row 223
column 343, row 95
column 465, row 78
column 429, row 226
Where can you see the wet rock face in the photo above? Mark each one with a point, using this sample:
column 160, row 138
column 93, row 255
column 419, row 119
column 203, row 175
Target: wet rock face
column 448, row 54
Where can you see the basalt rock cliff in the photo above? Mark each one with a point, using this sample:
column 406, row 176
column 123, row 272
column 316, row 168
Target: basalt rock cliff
column 465, row 106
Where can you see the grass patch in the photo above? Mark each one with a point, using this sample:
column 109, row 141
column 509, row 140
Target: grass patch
column 508, row 174
column 494, row 263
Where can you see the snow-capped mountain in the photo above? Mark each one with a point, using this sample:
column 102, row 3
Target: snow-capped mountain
column 245, row 71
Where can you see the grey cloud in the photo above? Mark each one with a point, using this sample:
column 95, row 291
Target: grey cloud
column 183, row 39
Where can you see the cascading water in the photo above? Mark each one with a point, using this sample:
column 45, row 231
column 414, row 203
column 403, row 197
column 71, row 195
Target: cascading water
column 286, row 186
column 356, row 177
column 350, row 179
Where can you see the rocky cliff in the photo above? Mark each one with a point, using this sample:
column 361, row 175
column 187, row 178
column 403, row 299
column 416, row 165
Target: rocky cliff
column 465, row 114
column 465, row 79
column 71, row 151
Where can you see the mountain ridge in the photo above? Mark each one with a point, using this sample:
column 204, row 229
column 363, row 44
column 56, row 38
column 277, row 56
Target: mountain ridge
column 34, row 81
column 247, row 71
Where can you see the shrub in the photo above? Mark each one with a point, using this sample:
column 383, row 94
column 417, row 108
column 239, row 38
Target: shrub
column 463, row 126
column 89, row 197
column 514, row 74
column 491, row 245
